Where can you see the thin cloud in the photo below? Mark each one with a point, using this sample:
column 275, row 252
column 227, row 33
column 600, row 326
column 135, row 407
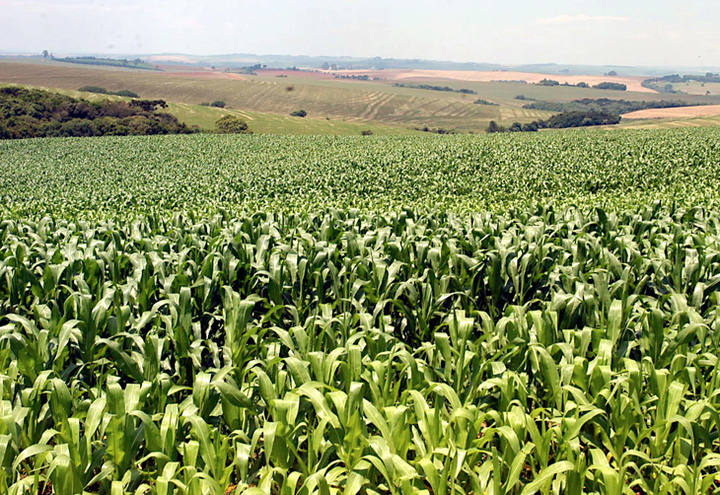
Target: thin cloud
column 581, row 18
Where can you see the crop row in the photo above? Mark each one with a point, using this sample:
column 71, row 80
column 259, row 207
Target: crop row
column 548, row 351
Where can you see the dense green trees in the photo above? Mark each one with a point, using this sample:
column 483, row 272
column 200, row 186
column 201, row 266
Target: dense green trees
column 581, row 119
column 607, row 105
column 611, row 85
column 560, row 121
column 26, row 113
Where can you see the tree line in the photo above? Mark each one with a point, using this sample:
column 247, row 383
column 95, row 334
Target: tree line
column 436, row 88
column 113, row 62
column 606, row 105
column 102, row 91
column 603, row 85
column 560, row 121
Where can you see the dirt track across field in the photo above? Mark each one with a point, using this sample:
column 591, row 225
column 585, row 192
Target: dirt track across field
column 676, row 112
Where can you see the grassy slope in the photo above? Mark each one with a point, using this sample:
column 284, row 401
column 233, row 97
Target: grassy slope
column 698, row 88
column 259, row 122
column 269, row 123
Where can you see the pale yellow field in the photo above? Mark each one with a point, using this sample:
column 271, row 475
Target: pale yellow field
column 633, row 83
column 667, row 123
column 676, row 112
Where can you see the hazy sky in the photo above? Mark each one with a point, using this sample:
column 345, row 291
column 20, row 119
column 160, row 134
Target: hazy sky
column 627, row 32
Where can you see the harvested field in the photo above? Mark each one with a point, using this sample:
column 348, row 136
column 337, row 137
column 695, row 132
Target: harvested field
column 677, row 112
column 633, row 83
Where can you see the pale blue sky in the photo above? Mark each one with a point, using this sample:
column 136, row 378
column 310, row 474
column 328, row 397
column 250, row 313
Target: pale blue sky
column 629, row 32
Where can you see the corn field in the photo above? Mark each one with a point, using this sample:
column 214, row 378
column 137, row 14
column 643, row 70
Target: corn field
column 188, row 325
column 205, row 174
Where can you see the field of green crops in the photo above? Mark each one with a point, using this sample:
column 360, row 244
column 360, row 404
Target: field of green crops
column 211, row 315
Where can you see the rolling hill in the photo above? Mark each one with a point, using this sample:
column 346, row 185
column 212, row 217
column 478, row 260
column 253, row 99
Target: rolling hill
column 350, row 105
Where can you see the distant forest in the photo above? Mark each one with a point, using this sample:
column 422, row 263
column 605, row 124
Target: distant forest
column 27, row 113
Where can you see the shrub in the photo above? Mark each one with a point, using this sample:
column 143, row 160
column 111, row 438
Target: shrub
column 366, row 132
column 127, row 93
column 230, row 124
column 493, row 127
